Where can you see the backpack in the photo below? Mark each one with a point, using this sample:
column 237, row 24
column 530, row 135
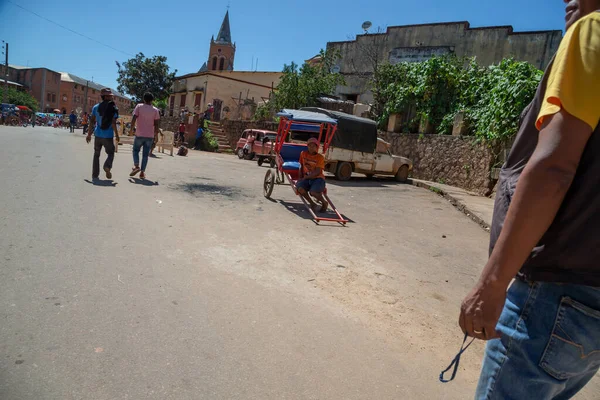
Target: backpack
column 107, row 110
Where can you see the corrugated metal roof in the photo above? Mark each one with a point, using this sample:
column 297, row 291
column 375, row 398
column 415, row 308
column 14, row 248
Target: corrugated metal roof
column 68, row 77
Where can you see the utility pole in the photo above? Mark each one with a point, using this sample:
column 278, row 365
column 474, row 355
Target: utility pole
column 5, row 100
column 85, row 103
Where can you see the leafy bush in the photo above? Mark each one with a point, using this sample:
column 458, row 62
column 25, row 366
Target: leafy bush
column 209, row 142
column 492, row 98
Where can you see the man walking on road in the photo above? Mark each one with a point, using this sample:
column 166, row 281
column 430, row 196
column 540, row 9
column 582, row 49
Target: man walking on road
column 103, row 125
column 147, row 118
column 72, row 121
column 544, row 333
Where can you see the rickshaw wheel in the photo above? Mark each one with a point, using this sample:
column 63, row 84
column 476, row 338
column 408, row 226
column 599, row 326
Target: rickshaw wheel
column 272, row 162
column 269, row 184
column 260, row 161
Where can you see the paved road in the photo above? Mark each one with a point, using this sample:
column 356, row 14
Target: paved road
column 193, row 286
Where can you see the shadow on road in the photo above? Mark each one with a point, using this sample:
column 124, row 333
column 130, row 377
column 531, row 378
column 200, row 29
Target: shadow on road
column 99, row 182
column 300, row 210
column 143, row 182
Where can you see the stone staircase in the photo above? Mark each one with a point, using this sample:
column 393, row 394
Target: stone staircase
column 217, row 131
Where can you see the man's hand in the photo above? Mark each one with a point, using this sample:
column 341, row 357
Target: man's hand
column 88, row 138
column 481, row 310
column 117, row 138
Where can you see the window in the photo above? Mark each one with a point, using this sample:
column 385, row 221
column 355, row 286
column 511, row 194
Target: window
column 214, row 63
column 197, row 100
column 48, row 97
column 93, row 91
column 182, row 103
column 221, row 64
column 54, row 97
column 76, row 86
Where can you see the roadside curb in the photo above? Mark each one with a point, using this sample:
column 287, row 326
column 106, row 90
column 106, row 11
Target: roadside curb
column 454, row 201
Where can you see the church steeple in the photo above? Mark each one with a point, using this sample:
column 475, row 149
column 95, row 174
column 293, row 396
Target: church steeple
column 224, row 35
column 222, row 50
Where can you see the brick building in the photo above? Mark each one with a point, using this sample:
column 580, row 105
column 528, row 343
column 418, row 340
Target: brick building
column 42, row 83
column 222, row 51
column 81, row 95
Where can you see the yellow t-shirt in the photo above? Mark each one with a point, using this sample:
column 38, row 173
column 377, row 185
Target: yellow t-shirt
column 574, row 81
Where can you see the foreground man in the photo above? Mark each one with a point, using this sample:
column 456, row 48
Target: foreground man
column 546, row 233
column 103, row 123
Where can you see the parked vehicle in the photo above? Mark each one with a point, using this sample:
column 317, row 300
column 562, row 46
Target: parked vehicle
column 257, row 143
column 355, row 147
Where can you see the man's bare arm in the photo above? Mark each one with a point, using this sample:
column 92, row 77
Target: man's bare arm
column 314, row 173
column 92, row 125
column 133, row 121
column 156, row 127
column 115, row 129
column 539, row 194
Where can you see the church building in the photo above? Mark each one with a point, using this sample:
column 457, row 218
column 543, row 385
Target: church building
column 233, row 94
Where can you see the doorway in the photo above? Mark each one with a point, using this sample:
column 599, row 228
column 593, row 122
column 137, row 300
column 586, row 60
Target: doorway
column 218, row 105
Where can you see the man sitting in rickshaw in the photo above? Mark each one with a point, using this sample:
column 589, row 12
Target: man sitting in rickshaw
column 311, row 180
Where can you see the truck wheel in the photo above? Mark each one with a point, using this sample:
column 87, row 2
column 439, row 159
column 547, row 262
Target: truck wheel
column 260, row 161
column 269, row 183
column 344, row 171
column 402, row 174
column 240, row 153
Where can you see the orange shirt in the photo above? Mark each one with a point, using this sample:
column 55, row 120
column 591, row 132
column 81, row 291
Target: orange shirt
column 310, row 162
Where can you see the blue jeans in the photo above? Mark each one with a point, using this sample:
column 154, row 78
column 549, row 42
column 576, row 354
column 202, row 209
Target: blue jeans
column 138, row 143
column 550, row 345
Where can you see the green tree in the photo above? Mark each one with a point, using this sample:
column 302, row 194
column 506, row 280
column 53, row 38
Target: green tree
column 142, row 74
column 20, row 98
column 302, row 87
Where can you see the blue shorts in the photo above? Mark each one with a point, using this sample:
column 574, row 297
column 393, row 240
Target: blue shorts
column 312, row 185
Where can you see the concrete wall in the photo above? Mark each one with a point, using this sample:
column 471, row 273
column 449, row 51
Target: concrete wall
column 452, row 160
column 417, row 42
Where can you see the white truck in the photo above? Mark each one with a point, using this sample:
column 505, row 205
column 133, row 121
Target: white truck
column 356, row 148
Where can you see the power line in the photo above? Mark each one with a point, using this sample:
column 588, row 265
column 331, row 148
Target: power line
column 68, row 29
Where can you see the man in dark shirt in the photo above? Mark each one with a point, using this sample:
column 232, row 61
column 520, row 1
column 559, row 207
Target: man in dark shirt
column 544, row 333
column 72, row 121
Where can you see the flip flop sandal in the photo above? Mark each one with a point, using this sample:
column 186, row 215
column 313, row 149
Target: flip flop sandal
column 135, row 171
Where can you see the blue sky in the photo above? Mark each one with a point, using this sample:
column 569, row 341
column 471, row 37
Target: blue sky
column 274, row 32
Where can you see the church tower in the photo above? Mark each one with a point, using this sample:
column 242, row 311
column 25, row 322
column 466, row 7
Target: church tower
column 222, row 51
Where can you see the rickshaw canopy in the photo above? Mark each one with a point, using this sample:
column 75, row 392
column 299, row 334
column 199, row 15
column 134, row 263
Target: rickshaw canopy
column 353, row 133
column 306, row 116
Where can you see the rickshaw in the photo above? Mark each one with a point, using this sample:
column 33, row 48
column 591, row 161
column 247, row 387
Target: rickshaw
column 302, row 125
